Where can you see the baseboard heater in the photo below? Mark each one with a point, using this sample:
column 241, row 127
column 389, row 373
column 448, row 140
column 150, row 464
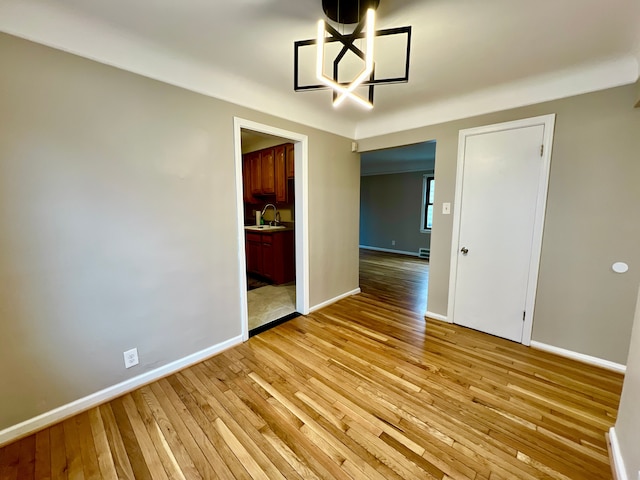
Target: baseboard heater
column 423, row 252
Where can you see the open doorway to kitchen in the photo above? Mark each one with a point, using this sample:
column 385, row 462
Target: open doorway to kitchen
column 271, row 178
column 397, row 191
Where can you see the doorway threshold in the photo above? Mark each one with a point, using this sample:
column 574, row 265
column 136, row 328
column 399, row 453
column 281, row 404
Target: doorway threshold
column 274, row 323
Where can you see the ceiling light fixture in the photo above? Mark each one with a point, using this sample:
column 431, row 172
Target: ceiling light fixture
column 347, row 91
column 349, row 12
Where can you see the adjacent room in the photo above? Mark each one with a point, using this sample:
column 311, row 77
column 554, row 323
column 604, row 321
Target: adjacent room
column 397, row 194
column 382, row 239
column 269, row 220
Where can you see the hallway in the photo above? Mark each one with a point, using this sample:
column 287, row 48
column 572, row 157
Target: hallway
column 399, row 280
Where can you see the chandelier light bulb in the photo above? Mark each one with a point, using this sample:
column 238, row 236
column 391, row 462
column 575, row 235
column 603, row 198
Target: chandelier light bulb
column 346, row 91
column 370, row 35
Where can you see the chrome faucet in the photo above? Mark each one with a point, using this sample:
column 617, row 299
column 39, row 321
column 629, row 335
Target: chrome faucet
column 276, row 214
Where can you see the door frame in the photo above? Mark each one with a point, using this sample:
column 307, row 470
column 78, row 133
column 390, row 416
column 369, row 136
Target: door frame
column 548, row 122
column 301, row 185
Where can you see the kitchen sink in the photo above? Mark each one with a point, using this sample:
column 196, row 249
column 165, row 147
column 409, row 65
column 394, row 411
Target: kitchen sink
column 264, row 227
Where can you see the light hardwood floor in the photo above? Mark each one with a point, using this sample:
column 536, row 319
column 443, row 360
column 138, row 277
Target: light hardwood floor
column 399, row 281
column 363, row 389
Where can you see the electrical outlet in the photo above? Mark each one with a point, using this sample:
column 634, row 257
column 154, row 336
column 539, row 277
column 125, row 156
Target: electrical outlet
column 393, row 242
column 131, row 358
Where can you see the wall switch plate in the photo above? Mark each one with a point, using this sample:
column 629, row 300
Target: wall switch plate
column 393, row 242
column 446, row 208
column 131, row 358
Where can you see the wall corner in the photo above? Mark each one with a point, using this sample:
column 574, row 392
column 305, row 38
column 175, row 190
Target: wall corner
column 625, row 436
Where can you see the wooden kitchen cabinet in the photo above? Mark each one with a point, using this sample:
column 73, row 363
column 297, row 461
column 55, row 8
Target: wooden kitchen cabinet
column 268, row 260
column 280, row 174
column 268, row 173
column 247, row 190
column 271, row 255
column 253, row 247
column 255, row 168
column 290, row 161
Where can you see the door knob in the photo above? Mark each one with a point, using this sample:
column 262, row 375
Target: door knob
column 464, row 250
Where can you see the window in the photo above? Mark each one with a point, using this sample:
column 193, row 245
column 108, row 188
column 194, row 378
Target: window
column 428, row 192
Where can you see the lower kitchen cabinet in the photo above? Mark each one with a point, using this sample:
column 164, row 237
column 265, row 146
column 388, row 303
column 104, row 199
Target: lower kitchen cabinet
column 271, row 255
column 253, row 249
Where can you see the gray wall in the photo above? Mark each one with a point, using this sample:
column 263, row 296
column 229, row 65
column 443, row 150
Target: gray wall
column 118, row 224
column 390, row 209
column 628, row 422
column 592, row 218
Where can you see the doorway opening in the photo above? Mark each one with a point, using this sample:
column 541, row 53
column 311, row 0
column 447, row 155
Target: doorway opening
column 271, row 179
column 397, row 192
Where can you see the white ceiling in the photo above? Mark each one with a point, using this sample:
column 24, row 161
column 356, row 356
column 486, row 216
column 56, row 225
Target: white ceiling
column 468, row 57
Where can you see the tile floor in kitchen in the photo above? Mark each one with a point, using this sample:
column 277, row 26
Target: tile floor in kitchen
column 270, row 303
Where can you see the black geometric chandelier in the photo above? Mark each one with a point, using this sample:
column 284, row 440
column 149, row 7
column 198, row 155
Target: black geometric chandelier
column 346, row 12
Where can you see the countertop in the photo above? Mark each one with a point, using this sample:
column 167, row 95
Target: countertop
column 287, row 228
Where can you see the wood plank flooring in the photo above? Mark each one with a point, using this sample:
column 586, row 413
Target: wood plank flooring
column 396, row 280
column 363, row 389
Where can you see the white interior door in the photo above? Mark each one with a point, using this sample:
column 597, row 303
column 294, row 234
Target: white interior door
column 503, row 174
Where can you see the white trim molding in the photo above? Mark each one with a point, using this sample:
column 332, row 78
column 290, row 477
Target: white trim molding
column 394, row 171
column 389, row 250
column 580, row 357
column 437, row 316
column 610, row 73
column 67, row 29
column 615, row 455
column 301, row 185
column 334, row 300
column 56, row 415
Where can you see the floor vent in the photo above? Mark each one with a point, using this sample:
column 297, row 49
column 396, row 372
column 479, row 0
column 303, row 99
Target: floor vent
column 423, row 253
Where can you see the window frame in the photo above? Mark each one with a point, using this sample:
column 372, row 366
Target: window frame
column 427, row 178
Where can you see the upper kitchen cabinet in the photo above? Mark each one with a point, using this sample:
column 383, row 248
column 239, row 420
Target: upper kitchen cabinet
column 267, row 163
column 290, row 160
column 255, row 176
column 281, row 180
column 266, row 173
column 262, row 172
column 247, row 190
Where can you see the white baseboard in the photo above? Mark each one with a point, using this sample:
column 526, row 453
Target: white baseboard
column 389, row 250
column 65, row 411
column 437, row 316
column 617, row 462
column 334, row 300
column 581, row 357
